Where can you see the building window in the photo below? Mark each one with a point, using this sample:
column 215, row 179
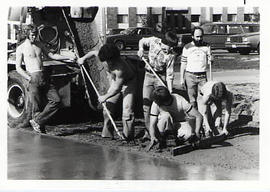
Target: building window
column 248, row 17
column 216, row 17
column 122, row 18
column 232, row 17
column 157, row 18
column 195, row 18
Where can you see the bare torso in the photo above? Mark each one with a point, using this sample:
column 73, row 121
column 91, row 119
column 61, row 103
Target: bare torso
column 31, row 56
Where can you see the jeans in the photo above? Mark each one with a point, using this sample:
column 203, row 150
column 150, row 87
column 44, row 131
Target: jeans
column 149, row 84
column 128, row 92
column 194, row 83
column 41, row 91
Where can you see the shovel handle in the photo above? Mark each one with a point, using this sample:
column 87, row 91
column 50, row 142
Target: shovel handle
column 150, row 67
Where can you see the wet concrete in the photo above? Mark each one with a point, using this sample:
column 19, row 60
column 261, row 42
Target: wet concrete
column 32, row 156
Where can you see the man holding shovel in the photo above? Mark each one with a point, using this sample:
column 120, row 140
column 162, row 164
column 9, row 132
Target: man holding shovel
column 122, row 77
column 161, row 61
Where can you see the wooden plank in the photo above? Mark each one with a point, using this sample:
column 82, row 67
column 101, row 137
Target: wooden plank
column 204, row 143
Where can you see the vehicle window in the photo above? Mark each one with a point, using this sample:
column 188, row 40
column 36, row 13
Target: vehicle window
column 214, row 29
column 134, row 31
column 254, row 28
column 234, row 29
column 247, row 29
column 207, row 28
column 222, row 29
column 127, row 31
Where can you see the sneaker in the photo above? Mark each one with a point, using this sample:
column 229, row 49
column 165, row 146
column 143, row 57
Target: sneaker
column 35, row 126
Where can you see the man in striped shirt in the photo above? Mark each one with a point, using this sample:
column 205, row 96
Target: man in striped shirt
column 161, row 60
column 195, row 57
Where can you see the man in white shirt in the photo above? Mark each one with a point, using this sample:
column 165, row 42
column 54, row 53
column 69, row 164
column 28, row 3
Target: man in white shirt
column 195, row 57
column 170, row 112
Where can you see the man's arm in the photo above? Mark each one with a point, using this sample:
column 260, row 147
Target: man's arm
column 115, row 87
column 170, row 74
column 183, row 67
column 228, row 108
column 144, row 42
column 204, row 111
column 19, row 59
column 88, row 55
column 59, row 57
column 209, row 56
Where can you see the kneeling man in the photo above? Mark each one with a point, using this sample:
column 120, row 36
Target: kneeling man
column 210, row 100
column 170, row 112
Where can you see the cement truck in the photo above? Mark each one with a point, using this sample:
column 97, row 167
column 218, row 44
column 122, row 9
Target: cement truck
column 64, row 30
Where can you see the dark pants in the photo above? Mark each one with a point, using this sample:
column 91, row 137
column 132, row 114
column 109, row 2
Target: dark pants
column 42, row 91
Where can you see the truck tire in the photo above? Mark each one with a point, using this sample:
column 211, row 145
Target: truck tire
column 258, row 49
column 19, row 105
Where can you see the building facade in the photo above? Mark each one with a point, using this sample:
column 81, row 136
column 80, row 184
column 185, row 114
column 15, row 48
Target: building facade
column 179, row 19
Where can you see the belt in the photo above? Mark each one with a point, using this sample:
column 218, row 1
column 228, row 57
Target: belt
column 197, row 73
column 157, row 72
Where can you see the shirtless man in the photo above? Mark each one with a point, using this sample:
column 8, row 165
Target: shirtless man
column 210, row 100
column 122, row 75
column 30, row 52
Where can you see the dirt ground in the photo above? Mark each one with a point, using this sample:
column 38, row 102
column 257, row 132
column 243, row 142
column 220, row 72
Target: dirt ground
column 240, row 151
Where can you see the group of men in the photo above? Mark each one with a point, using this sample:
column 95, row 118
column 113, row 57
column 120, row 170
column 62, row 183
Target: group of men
column 165, row 112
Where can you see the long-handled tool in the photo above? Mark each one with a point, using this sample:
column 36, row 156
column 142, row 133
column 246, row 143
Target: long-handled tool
column 150, row 67
column 103, row 104
column 92, row 83
column 71, row 35
column 210, row 70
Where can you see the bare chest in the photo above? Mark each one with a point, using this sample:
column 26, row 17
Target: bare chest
column 32, row 51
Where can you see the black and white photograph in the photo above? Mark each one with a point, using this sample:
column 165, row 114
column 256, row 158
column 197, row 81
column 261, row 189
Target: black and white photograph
column 121, row 92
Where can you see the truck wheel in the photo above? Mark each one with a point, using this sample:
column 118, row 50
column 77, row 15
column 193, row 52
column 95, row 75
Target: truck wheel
column 19, row 105
column 258, row 49
column 120, row 45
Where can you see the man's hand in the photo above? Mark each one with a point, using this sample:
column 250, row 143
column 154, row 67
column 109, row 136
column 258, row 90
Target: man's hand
column 29, row 79
column 80, row 61
column 73, row 58
column 140, row 53
column 102, row 99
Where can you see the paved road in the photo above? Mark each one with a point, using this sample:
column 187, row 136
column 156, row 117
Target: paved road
column 36, row 157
